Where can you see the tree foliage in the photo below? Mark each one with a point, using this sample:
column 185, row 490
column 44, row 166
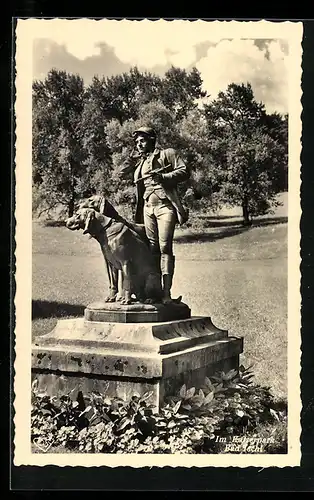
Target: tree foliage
column 181, row 90
column 252, row 150
column 58, row 153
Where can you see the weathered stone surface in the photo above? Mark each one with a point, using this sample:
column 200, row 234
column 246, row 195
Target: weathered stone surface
column 132, row 357
column 160, row 337
column 57, row 383
column 194, row 378
column 110, row 362
column 135, row 312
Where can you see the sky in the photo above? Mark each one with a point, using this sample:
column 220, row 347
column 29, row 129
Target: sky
column 111, row 47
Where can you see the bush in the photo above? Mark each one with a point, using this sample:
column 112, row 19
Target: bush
column 227, row 414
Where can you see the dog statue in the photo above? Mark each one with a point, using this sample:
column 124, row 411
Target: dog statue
column 124, row 250
column 103, row 206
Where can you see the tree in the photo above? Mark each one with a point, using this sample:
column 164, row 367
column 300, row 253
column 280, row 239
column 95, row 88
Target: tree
column 58, row 153
column 202, row 152
column 180, row 90
column 98, row 161
column 121, row 96
column 251, row 154
column 277, row 127
column 250, row 175
column 125, row 94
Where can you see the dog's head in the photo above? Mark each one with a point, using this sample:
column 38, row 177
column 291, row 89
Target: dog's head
column 90, row 220
column 82, row 219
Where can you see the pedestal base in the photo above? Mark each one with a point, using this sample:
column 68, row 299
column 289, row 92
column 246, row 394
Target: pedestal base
column 122, row 359
column 136, row 312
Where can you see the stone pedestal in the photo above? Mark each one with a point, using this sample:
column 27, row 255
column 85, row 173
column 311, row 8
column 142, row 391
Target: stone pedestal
column 136, row 312
column 124, row 358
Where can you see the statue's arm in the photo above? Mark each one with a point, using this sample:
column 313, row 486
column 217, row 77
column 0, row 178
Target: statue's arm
column 180, row 172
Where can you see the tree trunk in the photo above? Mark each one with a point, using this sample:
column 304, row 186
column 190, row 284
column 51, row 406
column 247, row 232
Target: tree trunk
column 72, row 191
column 71, row 207
column 246, row 213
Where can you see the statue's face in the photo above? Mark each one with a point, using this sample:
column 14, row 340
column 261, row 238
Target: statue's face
column 143, row 144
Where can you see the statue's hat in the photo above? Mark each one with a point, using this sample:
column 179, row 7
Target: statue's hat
column 150, row 132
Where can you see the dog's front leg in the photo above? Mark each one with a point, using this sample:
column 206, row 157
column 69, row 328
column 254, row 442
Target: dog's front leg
column 113, row 282
column 126, row 278
column 119, row 295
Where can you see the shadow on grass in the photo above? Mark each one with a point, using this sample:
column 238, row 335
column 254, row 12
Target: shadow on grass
column 45, row 309
column 219, row 217
column 270, row 220
column 232, row 220
column 53, row 223
column 231, row 228
column 202, row 237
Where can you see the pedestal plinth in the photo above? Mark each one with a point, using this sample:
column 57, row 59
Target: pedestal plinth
column 125, row 358
column 136, row 312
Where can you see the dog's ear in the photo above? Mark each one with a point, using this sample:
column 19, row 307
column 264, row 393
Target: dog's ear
column 90, row 217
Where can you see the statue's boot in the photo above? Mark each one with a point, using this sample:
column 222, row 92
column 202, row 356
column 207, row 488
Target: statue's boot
column 157, row 263
column 156, row 290
column 167, row 265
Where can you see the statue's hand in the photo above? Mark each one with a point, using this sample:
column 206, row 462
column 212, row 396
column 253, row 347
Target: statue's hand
column 157, row 177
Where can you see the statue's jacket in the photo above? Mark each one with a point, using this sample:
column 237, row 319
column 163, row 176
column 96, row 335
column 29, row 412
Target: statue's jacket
column 176, row 172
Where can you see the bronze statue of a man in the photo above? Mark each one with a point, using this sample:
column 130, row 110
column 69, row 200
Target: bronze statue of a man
column 157, row 172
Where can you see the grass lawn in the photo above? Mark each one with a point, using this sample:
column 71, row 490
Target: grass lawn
column 238, row 276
